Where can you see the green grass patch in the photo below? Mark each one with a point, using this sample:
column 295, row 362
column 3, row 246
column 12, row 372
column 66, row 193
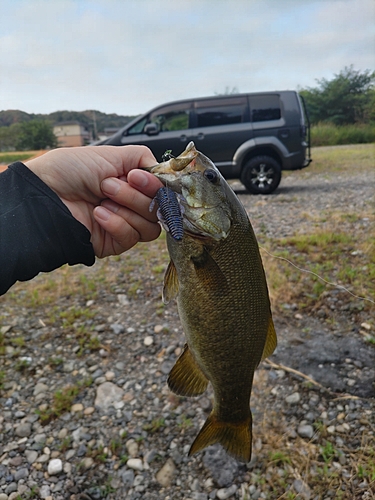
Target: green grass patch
column 10, row 157
column 328, row 134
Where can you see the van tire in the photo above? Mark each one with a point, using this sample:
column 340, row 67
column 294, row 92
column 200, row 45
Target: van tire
column 261, row 175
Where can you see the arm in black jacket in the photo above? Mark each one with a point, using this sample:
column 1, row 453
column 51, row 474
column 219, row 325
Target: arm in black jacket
column 37, row 231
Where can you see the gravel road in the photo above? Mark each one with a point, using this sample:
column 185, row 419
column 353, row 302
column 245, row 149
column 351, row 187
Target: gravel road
column 125, row 436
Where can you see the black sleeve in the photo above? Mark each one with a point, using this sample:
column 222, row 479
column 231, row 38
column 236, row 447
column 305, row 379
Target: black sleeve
column 37, row 231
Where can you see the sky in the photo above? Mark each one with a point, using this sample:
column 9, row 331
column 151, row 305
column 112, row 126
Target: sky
column 128, row 56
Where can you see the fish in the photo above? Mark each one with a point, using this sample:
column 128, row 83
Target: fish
column 217, row 276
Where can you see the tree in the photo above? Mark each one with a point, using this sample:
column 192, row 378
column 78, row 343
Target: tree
column 9, row 137
column 342, row 100
column 36, row 134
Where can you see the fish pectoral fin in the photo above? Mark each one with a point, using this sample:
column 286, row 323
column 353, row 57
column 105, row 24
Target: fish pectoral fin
column 171, row 285
column 208, row 271
column 271, row 341
column 234, row 437
column 186, row 378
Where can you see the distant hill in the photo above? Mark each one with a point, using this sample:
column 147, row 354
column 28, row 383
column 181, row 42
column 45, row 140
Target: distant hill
column 87, row 118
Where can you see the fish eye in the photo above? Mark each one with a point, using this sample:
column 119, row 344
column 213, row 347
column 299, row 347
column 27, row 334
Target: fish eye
column 211, row 175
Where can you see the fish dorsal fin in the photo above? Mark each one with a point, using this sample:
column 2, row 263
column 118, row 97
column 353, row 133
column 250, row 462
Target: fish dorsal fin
column 186, row 378
column 271, row 340
column 171, row 285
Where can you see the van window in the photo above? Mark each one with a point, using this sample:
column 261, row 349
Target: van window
column 137, row 128
column 223, row 111
column 264, row 108
column 173, row 117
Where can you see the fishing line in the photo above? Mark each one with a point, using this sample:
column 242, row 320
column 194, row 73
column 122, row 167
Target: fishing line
column 317, row 275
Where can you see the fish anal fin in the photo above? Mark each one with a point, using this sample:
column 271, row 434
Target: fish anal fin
column 234, row 437
column 271, row 340
column 171, row 285
column 186, row 378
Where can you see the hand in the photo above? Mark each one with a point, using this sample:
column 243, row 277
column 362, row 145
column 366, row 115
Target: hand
column 104, row 190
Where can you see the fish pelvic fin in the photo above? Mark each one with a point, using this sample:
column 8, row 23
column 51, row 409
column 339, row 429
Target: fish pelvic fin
column 271, row 341
column 234, row 437
column 186, row 378
column 171, row 285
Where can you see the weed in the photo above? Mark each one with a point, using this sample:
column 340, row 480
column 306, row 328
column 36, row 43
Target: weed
column 65, row 444
column 328, row 452
column 155, row 425
column 18, row 341
column 21, row 365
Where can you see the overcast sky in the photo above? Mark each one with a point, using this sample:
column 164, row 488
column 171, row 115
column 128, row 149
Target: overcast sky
column 127, row 56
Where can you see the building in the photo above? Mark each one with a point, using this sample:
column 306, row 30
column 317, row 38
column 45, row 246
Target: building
column 71, row 134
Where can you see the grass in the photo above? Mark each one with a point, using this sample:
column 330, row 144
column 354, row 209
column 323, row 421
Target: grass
column 10, row 157
column 328, row 134
column 62, row 401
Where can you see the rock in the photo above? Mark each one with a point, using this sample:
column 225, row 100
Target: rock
column 40, row 388
column 23, row 430
column 165, row 474
column 127, row 477
column 305, row 431
column 62, row 433
column 87, row 463
column 76, row 408
column 117, row 329
column 225, row 493
column 135, row 463
column 109, row 375
column 44, row 491
column 293, row 398
column 3, row 496
column 89, row 410
column 148, row 341
column 31, row 456
column 68, row 366
column 55, row 466
column 132, row 447
column 223, row 468
column 302, row 489
column 21, row 474
column 106, row 394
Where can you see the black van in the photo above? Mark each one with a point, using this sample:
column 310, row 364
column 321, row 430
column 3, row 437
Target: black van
column 252, row 137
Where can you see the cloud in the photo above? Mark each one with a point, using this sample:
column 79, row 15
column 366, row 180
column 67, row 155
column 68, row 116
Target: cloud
column 127, row 57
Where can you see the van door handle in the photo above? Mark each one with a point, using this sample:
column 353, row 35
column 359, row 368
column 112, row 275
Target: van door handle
column 183, row 138
column 200, row 136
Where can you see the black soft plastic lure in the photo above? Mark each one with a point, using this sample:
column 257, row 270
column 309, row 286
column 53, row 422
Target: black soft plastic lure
column 170, row 212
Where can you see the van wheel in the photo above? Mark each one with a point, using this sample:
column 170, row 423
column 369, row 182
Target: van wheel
column 261, row 175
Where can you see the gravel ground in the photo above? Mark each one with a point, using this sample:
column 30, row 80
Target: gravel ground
column 120, row 434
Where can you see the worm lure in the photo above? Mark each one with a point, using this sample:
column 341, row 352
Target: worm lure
column 169, row 212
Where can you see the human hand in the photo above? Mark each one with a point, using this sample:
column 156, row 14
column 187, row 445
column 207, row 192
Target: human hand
column 104, row 190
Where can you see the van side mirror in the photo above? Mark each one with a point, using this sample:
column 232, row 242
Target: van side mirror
column 151, row 129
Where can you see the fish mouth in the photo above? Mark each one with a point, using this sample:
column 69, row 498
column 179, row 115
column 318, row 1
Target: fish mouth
column 174, row 166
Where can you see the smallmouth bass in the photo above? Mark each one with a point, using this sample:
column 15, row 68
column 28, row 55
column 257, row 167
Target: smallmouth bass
column 217, row 276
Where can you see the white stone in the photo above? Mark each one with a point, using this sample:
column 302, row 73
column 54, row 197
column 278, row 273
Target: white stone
column 148, row 341
column 55, row 466
column 293, row 398
column 107, row 394
column 135, row 464
column 225, row 493
column 165, row 474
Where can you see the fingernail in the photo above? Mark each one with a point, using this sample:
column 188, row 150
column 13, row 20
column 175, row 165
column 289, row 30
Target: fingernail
column 102, row 213
column 111, row 186
column 139, row 178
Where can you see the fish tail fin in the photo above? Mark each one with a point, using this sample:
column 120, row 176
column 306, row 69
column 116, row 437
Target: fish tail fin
column 234, row 437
